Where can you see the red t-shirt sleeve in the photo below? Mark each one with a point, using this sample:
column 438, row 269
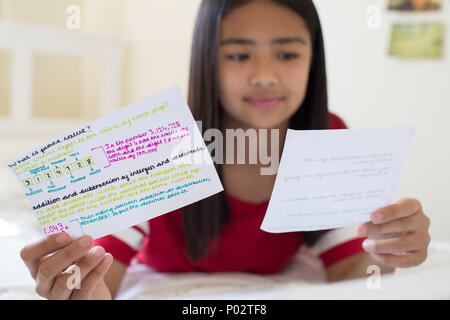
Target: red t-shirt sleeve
column 338, row 244
column 124, row 245
column 341, row 251
column 336, row 122
column 120, row 250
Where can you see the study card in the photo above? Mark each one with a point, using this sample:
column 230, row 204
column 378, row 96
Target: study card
column 137, row 163
column 335, row 178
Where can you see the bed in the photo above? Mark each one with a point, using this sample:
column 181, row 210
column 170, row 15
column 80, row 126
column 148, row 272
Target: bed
column 304, row 278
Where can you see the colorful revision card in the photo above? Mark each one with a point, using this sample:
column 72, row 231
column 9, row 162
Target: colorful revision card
column 134, row 164
column 335, row 178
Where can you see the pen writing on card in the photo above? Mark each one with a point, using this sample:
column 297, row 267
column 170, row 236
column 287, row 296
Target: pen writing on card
column 119, row 170
column 338, row 180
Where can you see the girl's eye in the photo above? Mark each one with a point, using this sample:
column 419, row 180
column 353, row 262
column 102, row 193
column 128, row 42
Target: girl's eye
column 288, row 56
column 238, row 57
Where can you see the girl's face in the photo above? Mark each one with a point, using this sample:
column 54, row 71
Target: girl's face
column 263, row 64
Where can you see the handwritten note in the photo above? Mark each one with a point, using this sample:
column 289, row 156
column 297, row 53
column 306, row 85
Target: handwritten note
column 335, row 178
column 137, row 163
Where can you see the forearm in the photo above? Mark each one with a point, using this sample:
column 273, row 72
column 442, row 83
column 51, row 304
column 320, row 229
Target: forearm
column 114, row 276
column 355, row 267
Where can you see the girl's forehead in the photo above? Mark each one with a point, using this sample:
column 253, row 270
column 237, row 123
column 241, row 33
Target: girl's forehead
column 264, row 20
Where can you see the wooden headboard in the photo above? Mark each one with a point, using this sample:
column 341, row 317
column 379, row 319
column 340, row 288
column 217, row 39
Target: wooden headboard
column 23, row 41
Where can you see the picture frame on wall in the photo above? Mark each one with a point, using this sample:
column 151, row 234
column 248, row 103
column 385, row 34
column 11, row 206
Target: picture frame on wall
column 417, row 40
column 415, row 5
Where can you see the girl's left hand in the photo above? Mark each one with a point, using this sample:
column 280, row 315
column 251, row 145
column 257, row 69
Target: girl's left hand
column 397, row 234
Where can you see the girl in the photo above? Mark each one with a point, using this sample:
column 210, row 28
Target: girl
column 254, row 64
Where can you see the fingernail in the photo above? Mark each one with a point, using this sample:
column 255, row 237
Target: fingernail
column 377, row 217
column 85, row 241
column 98, row 251
column 367, row 244
column 107, row 259
column 62, row 238
column 362, row 230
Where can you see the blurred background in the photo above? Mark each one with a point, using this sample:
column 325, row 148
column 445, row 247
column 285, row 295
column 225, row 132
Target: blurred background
column 64, row 63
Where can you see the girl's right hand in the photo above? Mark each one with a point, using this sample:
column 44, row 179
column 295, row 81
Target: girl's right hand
column 48, row 260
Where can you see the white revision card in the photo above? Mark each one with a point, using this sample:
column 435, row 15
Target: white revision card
column 335, row 178
column 137, row 163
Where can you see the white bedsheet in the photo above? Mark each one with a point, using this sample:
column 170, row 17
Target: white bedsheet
column 303, row 279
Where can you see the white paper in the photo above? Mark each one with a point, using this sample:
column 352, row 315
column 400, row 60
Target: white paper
column 137, row 163
column 335, row 178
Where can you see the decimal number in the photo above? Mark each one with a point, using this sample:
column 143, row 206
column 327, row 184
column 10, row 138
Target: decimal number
column 170, row 126
column 59, row 227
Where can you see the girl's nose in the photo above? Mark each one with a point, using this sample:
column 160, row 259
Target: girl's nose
column 263, row 75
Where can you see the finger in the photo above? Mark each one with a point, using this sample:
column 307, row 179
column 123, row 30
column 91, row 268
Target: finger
column 32, row 253
column 60, row 261
column 363, row 231
column 71, row 278
column 383, row 236
column 379, row 231
column 403, row 208
column 402, row 261
column 405, row 243
column 92, row 279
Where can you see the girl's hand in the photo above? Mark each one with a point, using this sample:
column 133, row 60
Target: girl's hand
column 397, row 234
column 48, row 261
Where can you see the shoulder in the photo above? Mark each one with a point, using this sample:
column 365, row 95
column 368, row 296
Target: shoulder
column 336, row 122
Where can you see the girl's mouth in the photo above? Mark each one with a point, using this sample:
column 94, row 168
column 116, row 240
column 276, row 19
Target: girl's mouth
column 263, row 102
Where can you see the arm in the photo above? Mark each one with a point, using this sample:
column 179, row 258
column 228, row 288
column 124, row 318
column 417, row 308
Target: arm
column 112, row 279
column 123, row 246
column 397, row 237
column 354, row 267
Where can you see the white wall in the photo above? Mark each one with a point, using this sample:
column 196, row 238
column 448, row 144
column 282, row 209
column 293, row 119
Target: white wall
column 159, row 36
column 370, row 89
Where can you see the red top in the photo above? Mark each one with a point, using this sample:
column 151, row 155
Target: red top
column 242, row 245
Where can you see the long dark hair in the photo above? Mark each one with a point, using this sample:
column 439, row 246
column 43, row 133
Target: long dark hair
column 204, row 219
